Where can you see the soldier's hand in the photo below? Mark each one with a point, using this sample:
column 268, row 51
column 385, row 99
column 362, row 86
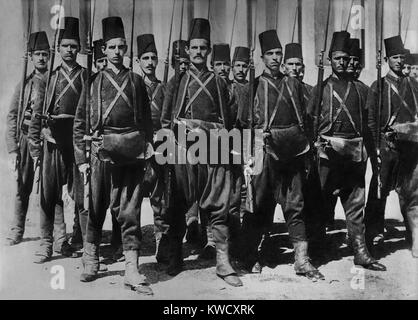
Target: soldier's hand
column 83, row 168
column 266, row 135
column 12, row 161
column 35, row 162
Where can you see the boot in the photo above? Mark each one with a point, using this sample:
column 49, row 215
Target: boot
column 161, row 247
column 412, row 217
column 44, row 253
column 175, row 265
column 90, row 260
column 362, row 256
column 303, row 265
column 224, row 269
column 209, row 251
column 133, row 279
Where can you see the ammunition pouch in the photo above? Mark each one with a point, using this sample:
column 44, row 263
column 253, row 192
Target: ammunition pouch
column 120, row 148
column 349, row 149
column 403, row 132
column 286, row 143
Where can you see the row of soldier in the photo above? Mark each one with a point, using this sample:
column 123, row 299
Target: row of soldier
column 304, row 170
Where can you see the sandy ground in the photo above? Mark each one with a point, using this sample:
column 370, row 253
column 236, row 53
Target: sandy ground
column 20, row 278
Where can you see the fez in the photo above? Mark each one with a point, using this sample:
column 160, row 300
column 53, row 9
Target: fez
column 241, row 54
column 71, row 29
column 293, row 50
column 408, row 57
column 340, row 42
column 269, row 40
column 199, row 29
column 38, row 41
column 97, row 49
column 394, row 46
column 145, row 44
column 414, row 59
column 221, row 52
column 113, row 28
column 355, row 50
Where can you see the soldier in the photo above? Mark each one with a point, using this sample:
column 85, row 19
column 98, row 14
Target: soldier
column 100, row 60
column 121, row 134
column 295, row 68
column 279, row 112
column 406, row 70
column 221, row 61
column 240, row 68
column 200, row 101
column 17, row 146
column 414, row 66
column 398, row 149
column 179, row 55
column 355, row 64
column 55, row 131
column 341, row 147
column 148, row 61
column 353, row 71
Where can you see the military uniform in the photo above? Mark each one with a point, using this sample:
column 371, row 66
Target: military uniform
column 52, row 141
column 121, row 127
column 398, row 155
column 279, row 112
column 342, row 154
column 155, row 172
column 17, row 139
column 200, row 100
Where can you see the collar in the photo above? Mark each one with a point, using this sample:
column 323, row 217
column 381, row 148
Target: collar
column 114, row 69
column 67, row 68
column 150, row 83
column 392, row 76
column 196, row 71
column 267, row 74
column 241, row 83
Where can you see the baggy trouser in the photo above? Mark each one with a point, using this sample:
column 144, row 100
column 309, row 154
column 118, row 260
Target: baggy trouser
column 56, row 171
column 210, row 186
column 374, row 214
column 278, row 183
column 25, row 178
column 407, row 189
column 121, row 189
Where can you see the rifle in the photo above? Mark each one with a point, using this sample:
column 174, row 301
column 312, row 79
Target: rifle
column 168, row 170
column 87, row 138
column 131, row 62
column 45, row 116
column 23, row 83
column 247, row 170
column 379, row 16
column 166, row 62
column 320, row 83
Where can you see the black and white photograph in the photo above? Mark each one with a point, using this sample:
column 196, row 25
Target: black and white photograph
column 202, row 150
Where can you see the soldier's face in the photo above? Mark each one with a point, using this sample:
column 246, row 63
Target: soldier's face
column 414, row 71
column 240, row 70
column 101, row 64
column 273, row 59
column 339, row 61
column 114, row 50
column 184, row 65
column 198, row 51
column 353, row 65
column 396, row 63
column 222, row 68
column 69, row 49
column 148, row 63
column 40, row 59
column 406, row 70
column 294, row 67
